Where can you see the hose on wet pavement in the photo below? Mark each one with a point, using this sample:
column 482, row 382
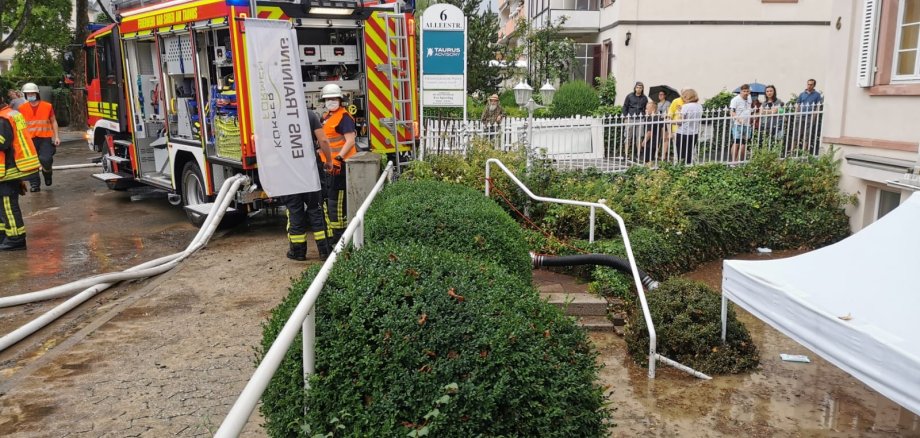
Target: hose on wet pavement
column 75, row 166
column 93, row 285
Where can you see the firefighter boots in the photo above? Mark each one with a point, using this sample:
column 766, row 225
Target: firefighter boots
column 324, row 248
column 13, row 243
column 337, row 235
column 47, row 176
column 298, row 252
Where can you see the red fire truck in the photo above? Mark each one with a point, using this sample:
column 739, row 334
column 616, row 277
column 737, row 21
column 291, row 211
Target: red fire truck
column 168, row 103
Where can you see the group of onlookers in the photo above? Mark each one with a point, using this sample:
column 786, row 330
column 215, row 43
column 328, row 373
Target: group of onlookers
column 651, row 125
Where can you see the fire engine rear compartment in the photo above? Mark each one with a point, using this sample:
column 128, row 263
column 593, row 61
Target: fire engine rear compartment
column 183, row 93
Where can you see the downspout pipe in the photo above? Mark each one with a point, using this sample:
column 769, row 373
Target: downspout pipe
column 617, row 263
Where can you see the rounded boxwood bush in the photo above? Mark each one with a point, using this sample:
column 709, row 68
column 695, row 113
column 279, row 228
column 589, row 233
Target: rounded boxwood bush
column 452, row 217
column 575, row 98
column 687, row 317
column 415, row 340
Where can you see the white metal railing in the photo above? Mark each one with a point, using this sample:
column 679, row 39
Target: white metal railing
column 614, row 143
column 303, row 318
column 653, row 356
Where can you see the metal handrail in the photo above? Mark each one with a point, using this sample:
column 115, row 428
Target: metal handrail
column 303, row 318
column 653, row 356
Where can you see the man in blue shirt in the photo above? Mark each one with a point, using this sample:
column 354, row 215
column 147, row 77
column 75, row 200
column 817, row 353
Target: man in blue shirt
column 810, row 98
column 809, row 106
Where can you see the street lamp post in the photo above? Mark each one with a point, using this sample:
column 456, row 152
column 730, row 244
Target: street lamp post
column 523, row 96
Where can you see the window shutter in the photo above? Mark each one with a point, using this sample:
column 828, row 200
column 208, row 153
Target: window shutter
column 865, row 69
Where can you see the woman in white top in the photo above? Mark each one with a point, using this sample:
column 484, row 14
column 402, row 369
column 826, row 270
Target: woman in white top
column 690, row 114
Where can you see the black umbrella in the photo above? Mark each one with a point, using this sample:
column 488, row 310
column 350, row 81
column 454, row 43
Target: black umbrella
column 669, row 93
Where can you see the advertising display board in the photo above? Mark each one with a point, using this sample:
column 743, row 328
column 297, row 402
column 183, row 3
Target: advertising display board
column 284, row 145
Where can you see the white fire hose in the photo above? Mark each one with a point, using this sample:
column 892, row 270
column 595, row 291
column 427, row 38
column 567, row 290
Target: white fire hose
column 98, row 283
column 75, row 166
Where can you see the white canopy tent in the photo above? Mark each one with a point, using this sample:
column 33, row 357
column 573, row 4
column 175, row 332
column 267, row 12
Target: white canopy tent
column 855, row 303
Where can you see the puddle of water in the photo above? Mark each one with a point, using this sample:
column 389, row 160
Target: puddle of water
column 779, row 399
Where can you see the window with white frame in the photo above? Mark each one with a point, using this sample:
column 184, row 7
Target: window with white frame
column 887, row 201
column 587, row 62
column 907, row 50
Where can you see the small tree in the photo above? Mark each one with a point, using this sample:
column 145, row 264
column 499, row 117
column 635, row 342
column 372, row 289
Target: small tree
column 550, row 55
column 482, row 34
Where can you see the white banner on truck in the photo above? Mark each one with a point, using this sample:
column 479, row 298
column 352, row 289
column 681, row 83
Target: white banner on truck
column 284, row 144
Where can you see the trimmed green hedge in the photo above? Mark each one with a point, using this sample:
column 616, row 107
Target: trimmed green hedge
column 575, row 98
column 411, row 339
column 451, row 217
column 689, row 329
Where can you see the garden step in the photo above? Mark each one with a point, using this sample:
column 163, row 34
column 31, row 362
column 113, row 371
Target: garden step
column 575, row 304
column 596, row 323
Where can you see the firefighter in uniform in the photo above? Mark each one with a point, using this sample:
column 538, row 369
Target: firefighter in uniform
column 308, row 207
column 339, row 127
column 18, row 160
column 43, row 128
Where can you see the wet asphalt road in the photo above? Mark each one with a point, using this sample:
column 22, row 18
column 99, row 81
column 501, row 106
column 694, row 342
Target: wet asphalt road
column 77, row 228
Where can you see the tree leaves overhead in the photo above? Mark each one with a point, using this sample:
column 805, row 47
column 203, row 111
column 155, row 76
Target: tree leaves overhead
column 44, row 39
column 482, row 36
column 14, row 17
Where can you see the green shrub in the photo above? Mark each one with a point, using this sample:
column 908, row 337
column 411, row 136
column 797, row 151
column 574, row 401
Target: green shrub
column 608, row 110
column 415, row 339
column 719, row 101
column 575, row 98
column 452, row 217
column 607, row 90
column 687, row 315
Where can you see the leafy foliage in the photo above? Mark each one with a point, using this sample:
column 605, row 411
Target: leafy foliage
column 692, row 330
column 455, row 218
column 680, row 216
column 415, row 341
column 719, row 101
column 608, row 110
column 550, row 53
column 482, row 32
column 575, row 98
column 607, row 90
column 44, row 40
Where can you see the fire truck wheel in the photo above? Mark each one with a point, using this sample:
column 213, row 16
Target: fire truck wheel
column 193, row 191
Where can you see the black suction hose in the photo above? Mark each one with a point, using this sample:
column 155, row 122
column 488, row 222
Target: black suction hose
column 593, row 259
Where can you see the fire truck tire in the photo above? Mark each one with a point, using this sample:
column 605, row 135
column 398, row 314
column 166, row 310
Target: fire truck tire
column 193, row 191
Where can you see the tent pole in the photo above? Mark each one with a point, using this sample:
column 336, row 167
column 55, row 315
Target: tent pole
column 724, row 315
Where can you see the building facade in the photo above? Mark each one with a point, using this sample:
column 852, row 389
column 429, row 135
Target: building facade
column 709, row 45
column 872, row 101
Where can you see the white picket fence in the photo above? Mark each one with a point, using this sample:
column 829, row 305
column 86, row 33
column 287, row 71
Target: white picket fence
column 616, row 142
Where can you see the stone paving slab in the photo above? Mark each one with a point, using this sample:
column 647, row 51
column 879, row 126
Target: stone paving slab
column 172, row 363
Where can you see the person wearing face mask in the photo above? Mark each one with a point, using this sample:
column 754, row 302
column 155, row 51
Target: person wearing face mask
column 43, row 128
column 18, row 161
column 339, row 128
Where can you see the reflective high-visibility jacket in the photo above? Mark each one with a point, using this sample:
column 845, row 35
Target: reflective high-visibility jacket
column 331, row 120
column 26, row 159
column 39, row 118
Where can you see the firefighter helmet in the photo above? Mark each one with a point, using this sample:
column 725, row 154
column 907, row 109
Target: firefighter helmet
column 332, row 90
column 30, row 88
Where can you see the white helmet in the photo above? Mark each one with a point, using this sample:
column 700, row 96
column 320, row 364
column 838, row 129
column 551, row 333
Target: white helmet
column 332, row 90
column 30, row 88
